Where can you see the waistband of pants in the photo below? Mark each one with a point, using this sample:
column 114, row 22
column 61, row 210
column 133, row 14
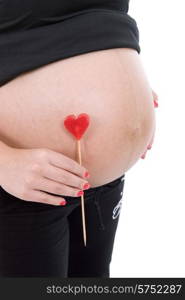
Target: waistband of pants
column 90, row 192
column 87, row 193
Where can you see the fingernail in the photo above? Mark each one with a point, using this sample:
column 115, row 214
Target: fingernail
column 80, row 193
column 149, row 147
column 86, row 174
column 156, row 103
column 63, row 202
column 143, row 156
column 86, row 186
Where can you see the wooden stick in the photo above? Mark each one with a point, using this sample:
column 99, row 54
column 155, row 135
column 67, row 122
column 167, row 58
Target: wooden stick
column 82, row 196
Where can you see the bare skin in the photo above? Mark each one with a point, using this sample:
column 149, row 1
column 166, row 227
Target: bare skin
column 110, row 85
column 42, row 170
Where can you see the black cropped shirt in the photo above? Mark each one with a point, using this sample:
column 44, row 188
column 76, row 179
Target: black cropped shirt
column 37, row 32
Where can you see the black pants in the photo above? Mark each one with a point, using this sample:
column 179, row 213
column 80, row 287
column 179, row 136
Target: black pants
column 42, row 240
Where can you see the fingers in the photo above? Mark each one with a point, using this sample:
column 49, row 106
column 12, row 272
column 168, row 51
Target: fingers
column 155, row 99
column 61, row 161
column 41, row 197
column 156, row 104
column 57, row 188
column 155, row 96
column 62, row 176
column 144, row 154
column 149, row 146
column 151, row 143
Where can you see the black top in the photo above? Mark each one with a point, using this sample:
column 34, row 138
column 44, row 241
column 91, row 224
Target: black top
column 37, row 32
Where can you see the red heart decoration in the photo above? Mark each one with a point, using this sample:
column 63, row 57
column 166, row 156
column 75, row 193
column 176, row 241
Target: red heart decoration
column 77, row 125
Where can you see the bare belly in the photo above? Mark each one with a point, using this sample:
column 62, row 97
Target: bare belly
column 109, row 85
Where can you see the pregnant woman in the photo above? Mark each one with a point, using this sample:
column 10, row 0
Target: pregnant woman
column 59, row 58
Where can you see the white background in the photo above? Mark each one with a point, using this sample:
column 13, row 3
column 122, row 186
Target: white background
column 150, row 237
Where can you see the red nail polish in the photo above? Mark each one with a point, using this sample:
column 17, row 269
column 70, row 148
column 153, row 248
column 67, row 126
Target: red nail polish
column 86, row 186
column 149, row 147
column 80, row 193
column 63, row 202
column 156, row 103
column 143, row 155
column 86, row 174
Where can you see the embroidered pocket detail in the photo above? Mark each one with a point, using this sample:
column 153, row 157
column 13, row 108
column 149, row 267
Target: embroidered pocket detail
column 117, row 209
column 108, row 204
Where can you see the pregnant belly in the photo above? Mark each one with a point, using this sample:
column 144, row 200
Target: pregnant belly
column 109, row 85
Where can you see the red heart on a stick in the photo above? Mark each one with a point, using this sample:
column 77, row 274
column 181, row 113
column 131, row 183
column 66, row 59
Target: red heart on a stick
column 77, row 125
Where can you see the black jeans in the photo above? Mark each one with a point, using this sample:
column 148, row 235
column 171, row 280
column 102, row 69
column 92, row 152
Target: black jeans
column 43, row 240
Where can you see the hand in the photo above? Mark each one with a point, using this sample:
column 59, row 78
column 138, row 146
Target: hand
column 29, row 173
column 155, row 101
